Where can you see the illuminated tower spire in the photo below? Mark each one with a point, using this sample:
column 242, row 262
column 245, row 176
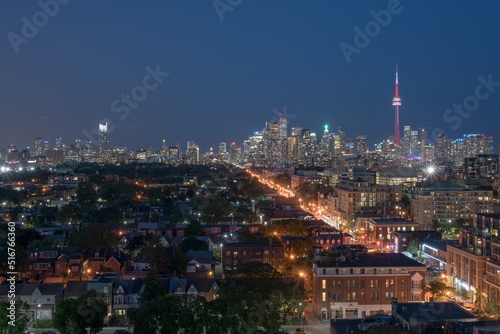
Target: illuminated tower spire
column 396, row 102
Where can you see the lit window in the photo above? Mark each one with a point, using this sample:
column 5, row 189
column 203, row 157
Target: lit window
column 323, row 296
column 323, row 284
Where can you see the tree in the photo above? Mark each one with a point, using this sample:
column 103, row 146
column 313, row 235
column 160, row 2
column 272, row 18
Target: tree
column 93, row 235
column 413, row 247
column 244, row 215
column 20, row 316
column 152, row 287
column 255, row 270
column 245, row 235
column 74, row 316
column 192, row 243
column 85, row 194
column 69, row 213
column 250, row 189
column 194, row 229
column 109, row 215
column 118, row 192
column 216, row 209
column 405, row 200
column 438, row 290
column 157, row 253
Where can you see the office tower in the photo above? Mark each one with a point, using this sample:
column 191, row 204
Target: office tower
column 193, row 153
column 103, row 137
column 46, row 146
column 361, row 145
column 283, row 127
column 443, row 149
column 234, row 152
column 396, row 102
column 423, row 143
column 59, row 144
column 38, row 146
column 341, row 134
column 164, row 150
column 222, row 148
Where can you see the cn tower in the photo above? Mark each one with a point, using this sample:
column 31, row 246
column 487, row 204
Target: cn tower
column 396, row 102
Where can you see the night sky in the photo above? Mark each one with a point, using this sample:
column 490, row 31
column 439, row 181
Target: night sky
column 227, row 76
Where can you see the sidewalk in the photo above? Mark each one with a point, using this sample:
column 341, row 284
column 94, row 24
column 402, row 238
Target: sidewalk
column 310, row 317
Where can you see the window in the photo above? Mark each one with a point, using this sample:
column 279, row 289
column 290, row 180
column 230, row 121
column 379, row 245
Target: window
column 353, row 296
column 228, row 253
column 376, row 283
column 336, row 271
column 362, row 270
column 333, row 283
column 389, row 295
column 351, row 271
column 389, row 283
column 371, row 284
column 362, row 284
column 323, row 284
column 362, row 296
column 339, row 283
column 403, row 282
column 348, row 296
column 374, row 270
column 323, row 296
column 324, row 271
column 353, row 284
column 403, row 295
column 372, row 296
column 376, row 295
column 235, row 253
column 339, row 297
column 390, row 271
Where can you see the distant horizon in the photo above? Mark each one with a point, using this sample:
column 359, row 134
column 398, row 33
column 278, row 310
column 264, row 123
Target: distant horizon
column 184, row 71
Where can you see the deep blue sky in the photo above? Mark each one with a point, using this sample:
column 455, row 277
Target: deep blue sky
column 227, row 76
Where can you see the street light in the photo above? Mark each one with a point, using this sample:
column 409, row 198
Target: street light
column 300, row 314
column 36, row 318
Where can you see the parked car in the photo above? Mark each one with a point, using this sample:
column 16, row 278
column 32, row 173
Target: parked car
column 122, row 331
column 49, row 332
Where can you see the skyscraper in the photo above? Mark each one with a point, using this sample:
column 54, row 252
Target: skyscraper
column 103, row 137
column 396, row 102
column 361, row 145
column 283, row 128
column 38, row 146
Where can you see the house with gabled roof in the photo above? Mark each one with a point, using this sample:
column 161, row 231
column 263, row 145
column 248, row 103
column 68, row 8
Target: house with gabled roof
column 126, row 296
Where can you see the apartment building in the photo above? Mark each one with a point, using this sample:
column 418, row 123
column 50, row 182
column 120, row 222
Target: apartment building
column 446, row 203
column 365, row 284
column 235, row 254
column 357, row 196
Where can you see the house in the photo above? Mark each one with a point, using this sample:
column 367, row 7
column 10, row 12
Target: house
column 116, row 261
column 41, row 298
column 126, row 296
column 234, row 254
column 200, row 264
column 41, row 263
column 419, row 316
column 75, row 289
column 104, row 284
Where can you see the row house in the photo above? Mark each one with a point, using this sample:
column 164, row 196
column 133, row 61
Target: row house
column 41, row 298
column 41, row 263
column 365, row 284
column 235, row 254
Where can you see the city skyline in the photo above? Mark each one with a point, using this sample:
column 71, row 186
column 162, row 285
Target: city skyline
column 216, row 90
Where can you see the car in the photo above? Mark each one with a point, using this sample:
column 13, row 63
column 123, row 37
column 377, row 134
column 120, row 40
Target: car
column 49, row 332
column 299, row 331
column 121, row 331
